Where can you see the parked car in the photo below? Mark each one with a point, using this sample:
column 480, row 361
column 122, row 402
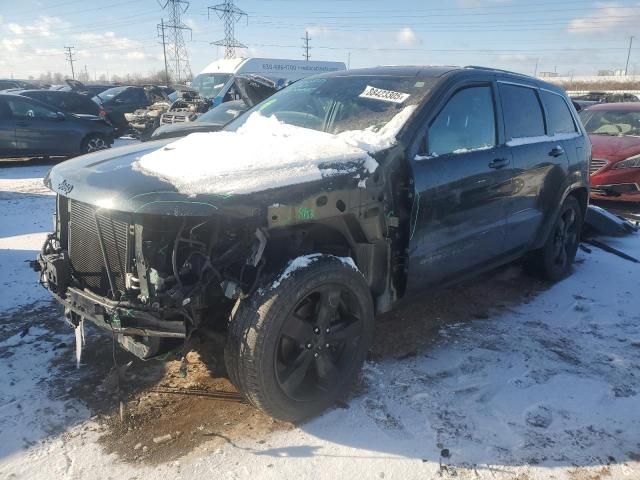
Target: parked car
column 29, row 127
column 252, row 89
column 614, row 129
column 211, row 121
column 6, row 84
column 326, row 203
column 606, row 97
column 89, row 89
column 68, row 102
column 117, row 101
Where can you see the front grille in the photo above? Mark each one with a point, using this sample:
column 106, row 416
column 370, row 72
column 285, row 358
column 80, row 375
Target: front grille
column 85, row 253
column 169, row 118
column 596, row 164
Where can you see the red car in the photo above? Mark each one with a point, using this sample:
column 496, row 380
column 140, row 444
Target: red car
column 614, row 129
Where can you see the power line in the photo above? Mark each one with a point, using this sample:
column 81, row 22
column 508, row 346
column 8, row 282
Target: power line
column 69, row 55
column 305, row 46
column 177, row 57
column 230, row 15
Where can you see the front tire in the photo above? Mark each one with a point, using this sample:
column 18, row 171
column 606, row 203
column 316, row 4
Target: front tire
column 554, row 260
column 296, row 346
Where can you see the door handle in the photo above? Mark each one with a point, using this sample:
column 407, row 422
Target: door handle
column 499, row 163
column 22, row 124
column 556, row 151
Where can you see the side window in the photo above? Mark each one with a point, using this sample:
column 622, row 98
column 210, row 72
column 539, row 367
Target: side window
column 558, row 114
column 129, row 95
column 467, row 122
column 22, row 109
column 522, row 111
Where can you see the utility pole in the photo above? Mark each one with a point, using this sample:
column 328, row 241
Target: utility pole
column 626, row 68
column 164, row 50
column 535, row 70
column 305, row 46
column 348, row 60
column 69, row 55
column 177, row 59
column 86, row 73
column 230, row 15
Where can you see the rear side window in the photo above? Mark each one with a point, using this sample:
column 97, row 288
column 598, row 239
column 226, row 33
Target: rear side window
column 558, row 114
column 466, row 123
column 522, row 111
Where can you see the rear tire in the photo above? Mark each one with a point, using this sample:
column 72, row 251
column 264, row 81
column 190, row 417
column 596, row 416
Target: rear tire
column 554, row 260
column 92, row 143
column 296, row 346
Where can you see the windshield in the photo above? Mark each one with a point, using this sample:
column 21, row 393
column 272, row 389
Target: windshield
column 611, row 122
column 344, row 103
column 223, row 114
column 109, row 94
column 209, row 84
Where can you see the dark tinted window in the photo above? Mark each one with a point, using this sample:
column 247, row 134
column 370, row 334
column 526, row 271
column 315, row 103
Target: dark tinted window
column 522, row 111
column 23, row 108
column 467, row 122
column 558, row 114
column 224, row 113
column 77, row 103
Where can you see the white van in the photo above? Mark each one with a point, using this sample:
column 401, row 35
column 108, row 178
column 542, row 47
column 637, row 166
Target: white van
column 217, row 78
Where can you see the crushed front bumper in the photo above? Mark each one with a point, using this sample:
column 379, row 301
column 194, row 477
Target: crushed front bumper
column 120, row 317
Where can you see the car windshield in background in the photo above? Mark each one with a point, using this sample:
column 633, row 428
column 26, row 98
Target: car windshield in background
column 209, row 84
column 223, row 114
column 340, row 104
column 611, row 122
column 109, row 94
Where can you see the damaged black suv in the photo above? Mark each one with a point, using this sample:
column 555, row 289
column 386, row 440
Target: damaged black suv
column 318, row 208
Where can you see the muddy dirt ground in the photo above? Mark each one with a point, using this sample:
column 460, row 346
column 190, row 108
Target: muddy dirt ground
column 151, row 414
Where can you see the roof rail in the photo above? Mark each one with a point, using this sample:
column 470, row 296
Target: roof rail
column 497, row 70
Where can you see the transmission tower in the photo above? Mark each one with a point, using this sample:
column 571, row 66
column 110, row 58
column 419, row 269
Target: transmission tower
column 230, row 15
column 171, row 32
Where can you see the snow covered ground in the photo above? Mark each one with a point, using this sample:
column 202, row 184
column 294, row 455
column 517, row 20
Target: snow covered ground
column 544, row 386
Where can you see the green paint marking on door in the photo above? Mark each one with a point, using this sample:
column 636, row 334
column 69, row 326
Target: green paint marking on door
column 305, row 214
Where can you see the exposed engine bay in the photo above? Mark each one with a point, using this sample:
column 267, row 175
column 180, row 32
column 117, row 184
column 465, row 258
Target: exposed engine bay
column 167, row 275
column 189, row 106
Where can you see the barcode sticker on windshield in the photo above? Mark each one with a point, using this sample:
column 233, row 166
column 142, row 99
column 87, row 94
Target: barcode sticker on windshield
column 384, row 95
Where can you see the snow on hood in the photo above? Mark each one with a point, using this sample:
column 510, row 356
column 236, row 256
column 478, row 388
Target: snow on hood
column 265, row 153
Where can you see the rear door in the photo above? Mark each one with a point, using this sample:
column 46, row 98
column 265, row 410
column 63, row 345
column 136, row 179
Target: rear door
column 539, row 161
column 7, row 131
column 462, row 185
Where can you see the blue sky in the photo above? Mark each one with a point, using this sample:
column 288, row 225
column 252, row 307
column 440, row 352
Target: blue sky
column 118, row 37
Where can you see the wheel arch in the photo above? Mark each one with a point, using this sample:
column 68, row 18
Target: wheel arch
column 341, row 236
column 581, row 194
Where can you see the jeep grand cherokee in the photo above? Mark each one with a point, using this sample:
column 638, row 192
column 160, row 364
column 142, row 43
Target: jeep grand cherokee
column 320, row 207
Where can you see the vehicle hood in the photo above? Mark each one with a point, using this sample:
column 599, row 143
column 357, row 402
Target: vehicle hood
column 113, row 179
column 185, row 128
column 614, row 148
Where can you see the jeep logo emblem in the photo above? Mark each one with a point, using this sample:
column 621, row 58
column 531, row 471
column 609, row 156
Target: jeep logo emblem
column 65, row 187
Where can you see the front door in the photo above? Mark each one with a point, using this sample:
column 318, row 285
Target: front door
column 7, row 131
column 40, row 130
column 463, row 183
